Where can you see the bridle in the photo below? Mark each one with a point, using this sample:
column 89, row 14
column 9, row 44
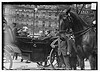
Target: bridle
column 79, row 33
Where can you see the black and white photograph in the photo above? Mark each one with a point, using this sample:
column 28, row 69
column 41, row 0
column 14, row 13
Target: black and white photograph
column 49, row 35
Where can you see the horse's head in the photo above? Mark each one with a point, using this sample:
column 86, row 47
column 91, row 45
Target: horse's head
column 66, row 21
column 72, row 20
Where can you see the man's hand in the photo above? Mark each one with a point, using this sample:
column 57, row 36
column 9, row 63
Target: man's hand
column 53, row 46
column 68, row 53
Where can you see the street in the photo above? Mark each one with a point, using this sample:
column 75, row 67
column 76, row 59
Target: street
column 44, row 32
column 18, row 65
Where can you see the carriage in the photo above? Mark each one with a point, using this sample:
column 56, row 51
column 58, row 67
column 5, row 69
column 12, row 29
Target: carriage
column 40, row 51
column 32, row 49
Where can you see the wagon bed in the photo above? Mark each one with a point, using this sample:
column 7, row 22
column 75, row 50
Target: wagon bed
column 34, row 50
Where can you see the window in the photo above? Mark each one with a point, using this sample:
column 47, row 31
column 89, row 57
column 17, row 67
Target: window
column 40, row 23
column 36, row 17
column 43, row 17
column 43, row 23
column 49, row 14
column 36, row 23
column 46, row 24
column 49, row 24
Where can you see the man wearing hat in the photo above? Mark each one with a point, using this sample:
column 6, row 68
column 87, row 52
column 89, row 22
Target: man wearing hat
column 24, row 32
column 62, row 49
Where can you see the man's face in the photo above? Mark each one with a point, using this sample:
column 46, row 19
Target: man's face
column 63, row 35
column 64, row 17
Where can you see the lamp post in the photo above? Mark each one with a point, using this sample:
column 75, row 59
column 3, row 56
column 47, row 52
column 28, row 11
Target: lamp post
column 35, row 9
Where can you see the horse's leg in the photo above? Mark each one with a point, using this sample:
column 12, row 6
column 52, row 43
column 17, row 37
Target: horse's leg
column 16, row 56
column 81, row 63
column 45, row 63
column 92, row 60
column 13, row 56
column 96, row 63
column 75, row 62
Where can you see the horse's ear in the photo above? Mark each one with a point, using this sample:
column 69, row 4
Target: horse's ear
column 68, row 11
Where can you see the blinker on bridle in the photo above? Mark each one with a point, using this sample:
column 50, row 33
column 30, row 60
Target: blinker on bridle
column 68, row 17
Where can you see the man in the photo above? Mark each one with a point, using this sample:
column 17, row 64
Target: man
column 24, row 32
column 63, row 52
column 14, row 29
column 48, row 33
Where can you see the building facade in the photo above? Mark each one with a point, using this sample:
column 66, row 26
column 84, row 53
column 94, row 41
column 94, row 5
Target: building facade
column 45, row 17
column 42, row 19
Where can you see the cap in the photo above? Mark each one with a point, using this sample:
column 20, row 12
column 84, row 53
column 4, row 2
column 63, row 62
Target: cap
column 62, row 31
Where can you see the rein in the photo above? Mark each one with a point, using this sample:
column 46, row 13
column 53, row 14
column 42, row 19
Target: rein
column 82, row 32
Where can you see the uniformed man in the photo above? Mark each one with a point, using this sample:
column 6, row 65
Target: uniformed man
column 63, row 52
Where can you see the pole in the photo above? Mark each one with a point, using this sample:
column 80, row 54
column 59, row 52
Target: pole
column 59, row 17
column 76, row 9
column 81, row 9
column 33, row 23
column 35, row 9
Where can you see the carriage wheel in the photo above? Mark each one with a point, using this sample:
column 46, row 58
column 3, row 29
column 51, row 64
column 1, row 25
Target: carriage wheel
column 44, row 64
column 7, row 60
column 53, row 59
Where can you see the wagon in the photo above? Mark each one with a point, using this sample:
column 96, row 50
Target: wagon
column 32, row 49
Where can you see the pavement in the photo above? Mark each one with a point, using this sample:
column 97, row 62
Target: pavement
column 18, row 65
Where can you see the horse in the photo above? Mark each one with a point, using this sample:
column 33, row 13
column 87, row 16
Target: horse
column 85, row 38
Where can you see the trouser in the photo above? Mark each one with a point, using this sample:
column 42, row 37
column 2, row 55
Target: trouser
column 69, row 46
column 64, row 59
column 60, row 61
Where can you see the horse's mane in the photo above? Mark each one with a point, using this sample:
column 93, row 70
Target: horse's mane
column 78, row 19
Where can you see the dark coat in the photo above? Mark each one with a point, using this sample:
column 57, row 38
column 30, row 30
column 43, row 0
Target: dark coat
column 62, row 47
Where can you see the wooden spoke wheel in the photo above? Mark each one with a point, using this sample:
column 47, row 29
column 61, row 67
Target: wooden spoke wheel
column 7, row 60
column 53, row 59
column 44, row 64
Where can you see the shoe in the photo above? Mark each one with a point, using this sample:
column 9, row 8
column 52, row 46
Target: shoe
column 68, row 68
column 27, row 61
